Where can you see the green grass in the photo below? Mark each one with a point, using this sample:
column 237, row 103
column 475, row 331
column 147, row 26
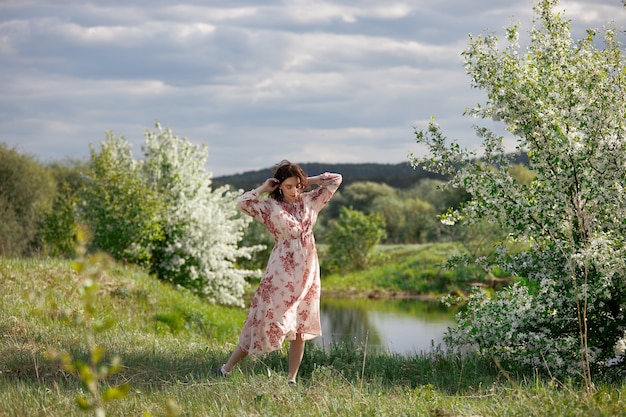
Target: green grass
column 406, row 270
column 170, row 342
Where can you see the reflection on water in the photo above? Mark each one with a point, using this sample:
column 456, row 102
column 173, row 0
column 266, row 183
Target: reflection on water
column 398, row 326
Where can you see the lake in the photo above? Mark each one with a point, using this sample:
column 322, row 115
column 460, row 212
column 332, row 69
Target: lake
column 399, row 326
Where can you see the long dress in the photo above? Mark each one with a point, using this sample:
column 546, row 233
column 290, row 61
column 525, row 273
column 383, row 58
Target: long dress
column 287, row 300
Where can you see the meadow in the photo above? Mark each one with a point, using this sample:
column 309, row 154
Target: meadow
column 169, row 343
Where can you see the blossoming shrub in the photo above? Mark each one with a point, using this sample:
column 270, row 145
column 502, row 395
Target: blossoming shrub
column 169, row 216
column 564, row 103
column 202, row 226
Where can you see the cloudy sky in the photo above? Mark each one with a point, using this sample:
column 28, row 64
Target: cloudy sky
column 255, row 80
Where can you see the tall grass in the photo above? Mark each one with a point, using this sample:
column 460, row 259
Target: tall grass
column 171, row 341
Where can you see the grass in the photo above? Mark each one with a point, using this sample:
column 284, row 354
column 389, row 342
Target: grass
column 405, row 271
column 170, row 342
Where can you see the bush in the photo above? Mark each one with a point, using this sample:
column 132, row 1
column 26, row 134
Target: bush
column 352, row 240
column 58, row 233
column 162, row 212
column 122, row 212
column 26, row 192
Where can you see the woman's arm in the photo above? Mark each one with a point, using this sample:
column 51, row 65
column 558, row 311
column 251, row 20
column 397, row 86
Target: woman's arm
column 327, row 184
column 314, row 180
column 250, row 203
column 326, row 179
column 268, row 186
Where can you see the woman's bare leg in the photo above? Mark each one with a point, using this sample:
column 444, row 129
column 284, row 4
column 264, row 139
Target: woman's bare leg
column 296, row 352
column 237, row 355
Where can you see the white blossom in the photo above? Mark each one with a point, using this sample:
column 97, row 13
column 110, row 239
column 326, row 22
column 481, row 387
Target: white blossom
column 564, row 101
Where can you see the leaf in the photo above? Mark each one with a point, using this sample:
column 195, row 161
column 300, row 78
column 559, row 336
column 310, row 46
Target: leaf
column 84, row 403
column 115, row 393
column 78, row 266
column 97, row 353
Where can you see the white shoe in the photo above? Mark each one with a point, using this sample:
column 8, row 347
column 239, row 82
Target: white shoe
column 221, row 372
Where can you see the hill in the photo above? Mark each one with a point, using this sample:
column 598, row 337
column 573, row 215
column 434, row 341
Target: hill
column 400, row 175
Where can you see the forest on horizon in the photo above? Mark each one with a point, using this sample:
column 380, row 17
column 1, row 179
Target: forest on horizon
column 401, row 175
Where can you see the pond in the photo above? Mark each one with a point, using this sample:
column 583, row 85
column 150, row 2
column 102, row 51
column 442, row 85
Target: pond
column 404, row 327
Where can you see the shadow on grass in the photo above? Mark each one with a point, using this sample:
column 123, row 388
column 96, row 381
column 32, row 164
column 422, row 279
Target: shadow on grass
column 145, row 368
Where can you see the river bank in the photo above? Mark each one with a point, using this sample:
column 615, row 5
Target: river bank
column 408, row 272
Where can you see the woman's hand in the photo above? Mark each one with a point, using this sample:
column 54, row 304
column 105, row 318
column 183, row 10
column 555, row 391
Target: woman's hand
column 268, row 186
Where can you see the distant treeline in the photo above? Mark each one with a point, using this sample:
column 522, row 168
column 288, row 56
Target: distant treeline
column 400, row 176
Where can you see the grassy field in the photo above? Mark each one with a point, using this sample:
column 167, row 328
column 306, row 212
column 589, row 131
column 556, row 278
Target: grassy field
column 405, row 271
column 169, row 343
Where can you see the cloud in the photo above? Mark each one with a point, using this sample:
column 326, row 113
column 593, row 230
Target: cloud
column 311, row 81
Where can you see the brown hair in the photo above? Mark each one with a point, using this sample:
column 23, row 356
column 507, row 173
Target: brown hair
column 284, row 170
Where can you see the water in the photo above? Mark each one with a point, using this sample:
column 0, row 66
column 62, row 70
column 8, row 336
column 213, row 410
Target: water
column 399, row 326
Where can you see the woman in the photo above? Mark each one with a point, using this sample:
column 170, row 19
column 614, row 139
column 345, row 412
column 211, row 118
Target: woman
column 286, row 303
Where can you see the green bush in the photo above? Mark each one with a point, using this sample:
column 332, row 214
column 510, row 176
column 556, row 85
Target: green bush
column 162, row 212
column 352, row 240
column 122, row 213
column 58, row 231
column 26, row 192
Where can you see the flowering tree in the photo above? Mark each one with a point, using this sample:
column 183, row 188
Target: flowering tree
column 163, row 213
column 202, row 226
column 564, row 102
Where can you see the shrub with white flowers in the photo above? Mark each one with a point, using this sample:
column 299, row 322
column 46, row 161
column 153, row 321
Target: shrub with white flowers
column 194, row 237
column 564, row 102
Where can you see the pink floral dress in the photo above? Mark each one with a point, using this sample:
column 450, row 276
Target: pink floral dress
column 287, row 300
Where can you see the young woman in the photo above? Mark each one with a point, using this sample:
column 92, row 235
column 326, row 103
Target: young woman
column 286, row 303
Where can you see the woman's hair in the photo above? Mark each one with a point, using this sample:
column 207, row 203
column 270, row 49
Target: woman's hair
column 284, row 170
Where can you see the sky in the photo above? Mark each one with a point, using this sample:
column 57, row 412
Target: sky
column 257, row 81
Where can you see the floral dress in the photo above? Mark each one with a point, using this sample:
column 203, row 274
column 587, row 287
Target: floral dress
column 287, row 300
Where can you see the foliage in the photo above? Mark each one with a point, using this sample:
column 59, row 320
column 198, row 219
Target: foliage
column 410, row 215
column 26, row 192
column 201, row 225
column 564, row 102
column 161, row 212
column 353, row 239
column 441, row 197
column 408, row 219
column 121, row 210
column 96, row 370
column 59, row 229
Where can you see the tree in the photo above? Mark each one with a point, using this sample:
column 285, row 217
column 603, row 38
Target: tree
column 442, row 198
column 59, row 230
column 162, row 212
column 407, row 220
column 123, row 213
column 353, row 239
column 361, row 195
column 565, row 102
column 202, row 226
column 26, row 192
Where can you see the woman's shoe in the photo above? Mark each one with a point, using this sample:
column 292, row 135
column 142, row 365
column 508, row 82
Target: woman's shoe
column 221, row 372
